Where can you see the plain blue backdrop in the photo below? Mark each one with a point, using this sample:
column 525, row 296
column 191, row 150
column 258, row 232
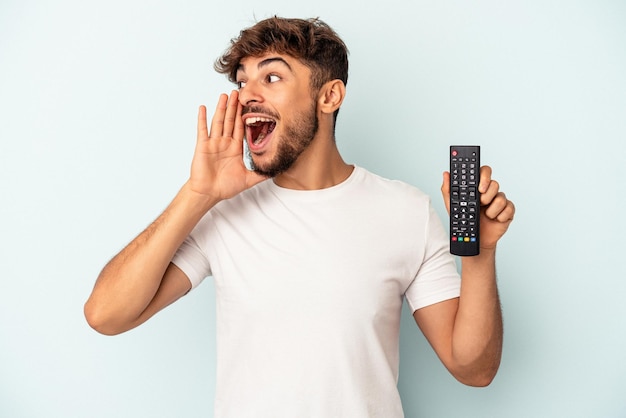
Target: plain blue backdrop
column 98, row 104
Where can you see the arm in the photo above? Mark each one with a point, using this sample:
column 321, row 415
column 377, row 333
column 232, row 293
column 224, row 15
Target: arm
column 140, row 280
column 466, row 332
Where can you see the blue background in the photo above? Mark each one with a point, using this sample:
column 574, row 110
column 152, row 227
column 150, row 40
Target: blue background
column 98, row 104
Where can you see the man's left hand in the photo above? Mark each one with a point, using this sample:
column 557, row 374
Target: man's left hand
column 496, row 211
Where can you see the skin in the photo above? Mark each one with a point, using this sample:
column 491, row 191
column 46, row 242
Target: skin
column 465, row 332
column 297, row 130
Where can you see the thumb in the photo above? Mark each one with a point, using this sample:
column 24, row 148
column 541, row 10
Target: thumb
column 445, row 190
column 253, row 178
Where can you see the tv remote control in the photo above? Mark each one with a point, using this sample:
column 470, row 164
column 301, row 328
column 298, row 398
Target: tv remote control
column 464, row 200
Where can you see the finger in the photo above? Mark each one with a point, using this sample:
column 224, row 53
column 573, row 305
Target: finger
column 202, row 124
column 498, row 208
column 508, row 213
column 445, row 190
column 217, row 123
column 485, row 178
column 492, row 191
column 239, row 131
column 231, row 114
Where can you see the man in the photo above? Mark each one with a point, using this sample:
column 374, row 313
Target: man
column 311, row 257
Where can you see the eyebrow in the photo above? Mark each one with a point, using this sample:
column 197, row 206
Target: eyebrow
column 267, row 62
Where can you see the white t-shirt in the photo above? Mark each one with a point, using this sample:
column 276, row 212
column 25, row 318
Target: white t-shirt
column 309, row 289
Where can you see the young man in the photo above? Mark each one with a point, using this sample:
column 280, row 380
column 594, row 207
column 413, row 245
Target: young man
column 311, row 257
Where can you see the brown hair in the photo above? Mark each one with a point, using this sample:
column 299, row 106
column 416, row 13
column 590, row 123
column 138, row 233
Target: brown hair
column 311, row 41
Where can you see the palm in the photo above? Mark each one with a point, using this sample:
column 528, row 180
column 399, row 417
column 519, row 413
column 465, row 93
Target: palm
column 217, row 168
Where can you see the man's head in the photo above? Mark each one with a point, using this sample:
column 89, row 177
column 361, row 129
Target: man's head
column 291, row 75
column 311, row 41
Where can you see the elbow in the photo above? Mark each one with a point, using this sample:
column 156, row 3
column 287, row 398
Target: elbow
column 98, row 319
column 478, row 377
column 477, row 368
column 479, row 380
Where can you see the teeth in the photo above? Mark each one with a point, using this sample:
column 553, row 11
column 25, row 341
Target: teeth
column 252, row 121
column 259, row 138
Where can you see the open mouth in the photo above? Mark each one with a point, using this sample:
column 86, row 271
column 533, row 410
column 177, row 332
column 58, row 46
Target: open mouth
column 258, row 128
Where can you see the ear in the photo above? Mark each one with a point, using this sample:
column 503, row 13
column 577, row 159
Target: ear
column 331, row 96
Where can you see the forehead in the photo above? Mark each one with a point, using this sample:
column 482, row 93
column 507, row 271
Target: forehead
column 271, row 60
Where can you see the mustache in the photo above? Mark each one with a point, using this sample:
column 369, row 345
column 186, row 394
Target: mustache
column 258, row 109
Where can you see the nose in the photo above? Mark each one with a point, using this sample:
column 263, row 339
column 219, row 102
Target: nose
column 250, row 93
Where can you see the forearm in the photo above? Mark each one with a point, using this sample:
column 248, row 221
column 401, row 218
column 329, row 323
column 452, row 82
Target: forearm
column 129, row 282
column 477, row 335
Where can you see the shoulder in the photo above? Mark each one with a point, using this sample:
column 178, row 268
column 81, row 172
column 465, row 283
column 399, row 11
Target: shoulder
column 395, row 201
column 245, row 204
column 234, row 209
column 396, row 190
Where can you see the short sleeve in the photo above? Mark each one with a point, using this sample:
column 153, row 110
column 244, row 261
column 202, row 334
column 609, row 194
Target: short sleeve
column 191, row 259
column 437, row 278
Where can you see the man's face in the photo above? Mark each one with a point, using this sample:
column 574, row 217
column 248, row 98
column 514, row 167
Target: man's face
column 279, row 110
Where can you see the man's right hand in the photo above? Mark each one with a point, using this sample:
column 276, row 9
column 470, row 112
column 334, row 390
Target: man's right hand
column 141, row 280
column 217, row 169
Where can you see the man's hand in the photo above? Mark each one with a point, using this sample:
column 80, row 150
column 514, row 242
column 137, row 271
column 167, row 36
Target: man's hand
column 496, row 211
column 217, row 168
column 466, row 332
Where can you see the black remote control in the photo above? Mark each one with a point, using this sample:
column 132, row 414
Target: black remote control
column 464, row 199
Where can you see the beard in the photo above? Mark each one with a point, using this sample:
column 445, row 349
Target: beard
column 296, row 138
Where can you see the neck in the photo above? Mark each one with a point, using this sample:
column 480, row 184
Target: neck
column 320, row 166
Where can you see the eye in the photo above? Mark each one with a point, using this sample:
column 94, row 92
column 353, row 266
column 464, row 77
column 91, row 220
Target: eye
column 240, row 84
column 272, row 78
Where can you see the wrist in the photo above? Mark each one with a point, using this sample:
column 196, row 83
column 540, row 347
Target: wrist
column 485, row 256
column 196, row 201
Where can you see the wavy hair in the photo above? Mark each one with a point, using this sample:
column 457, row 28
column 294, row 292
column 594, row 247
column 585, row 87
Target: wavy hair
column 311, row 41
